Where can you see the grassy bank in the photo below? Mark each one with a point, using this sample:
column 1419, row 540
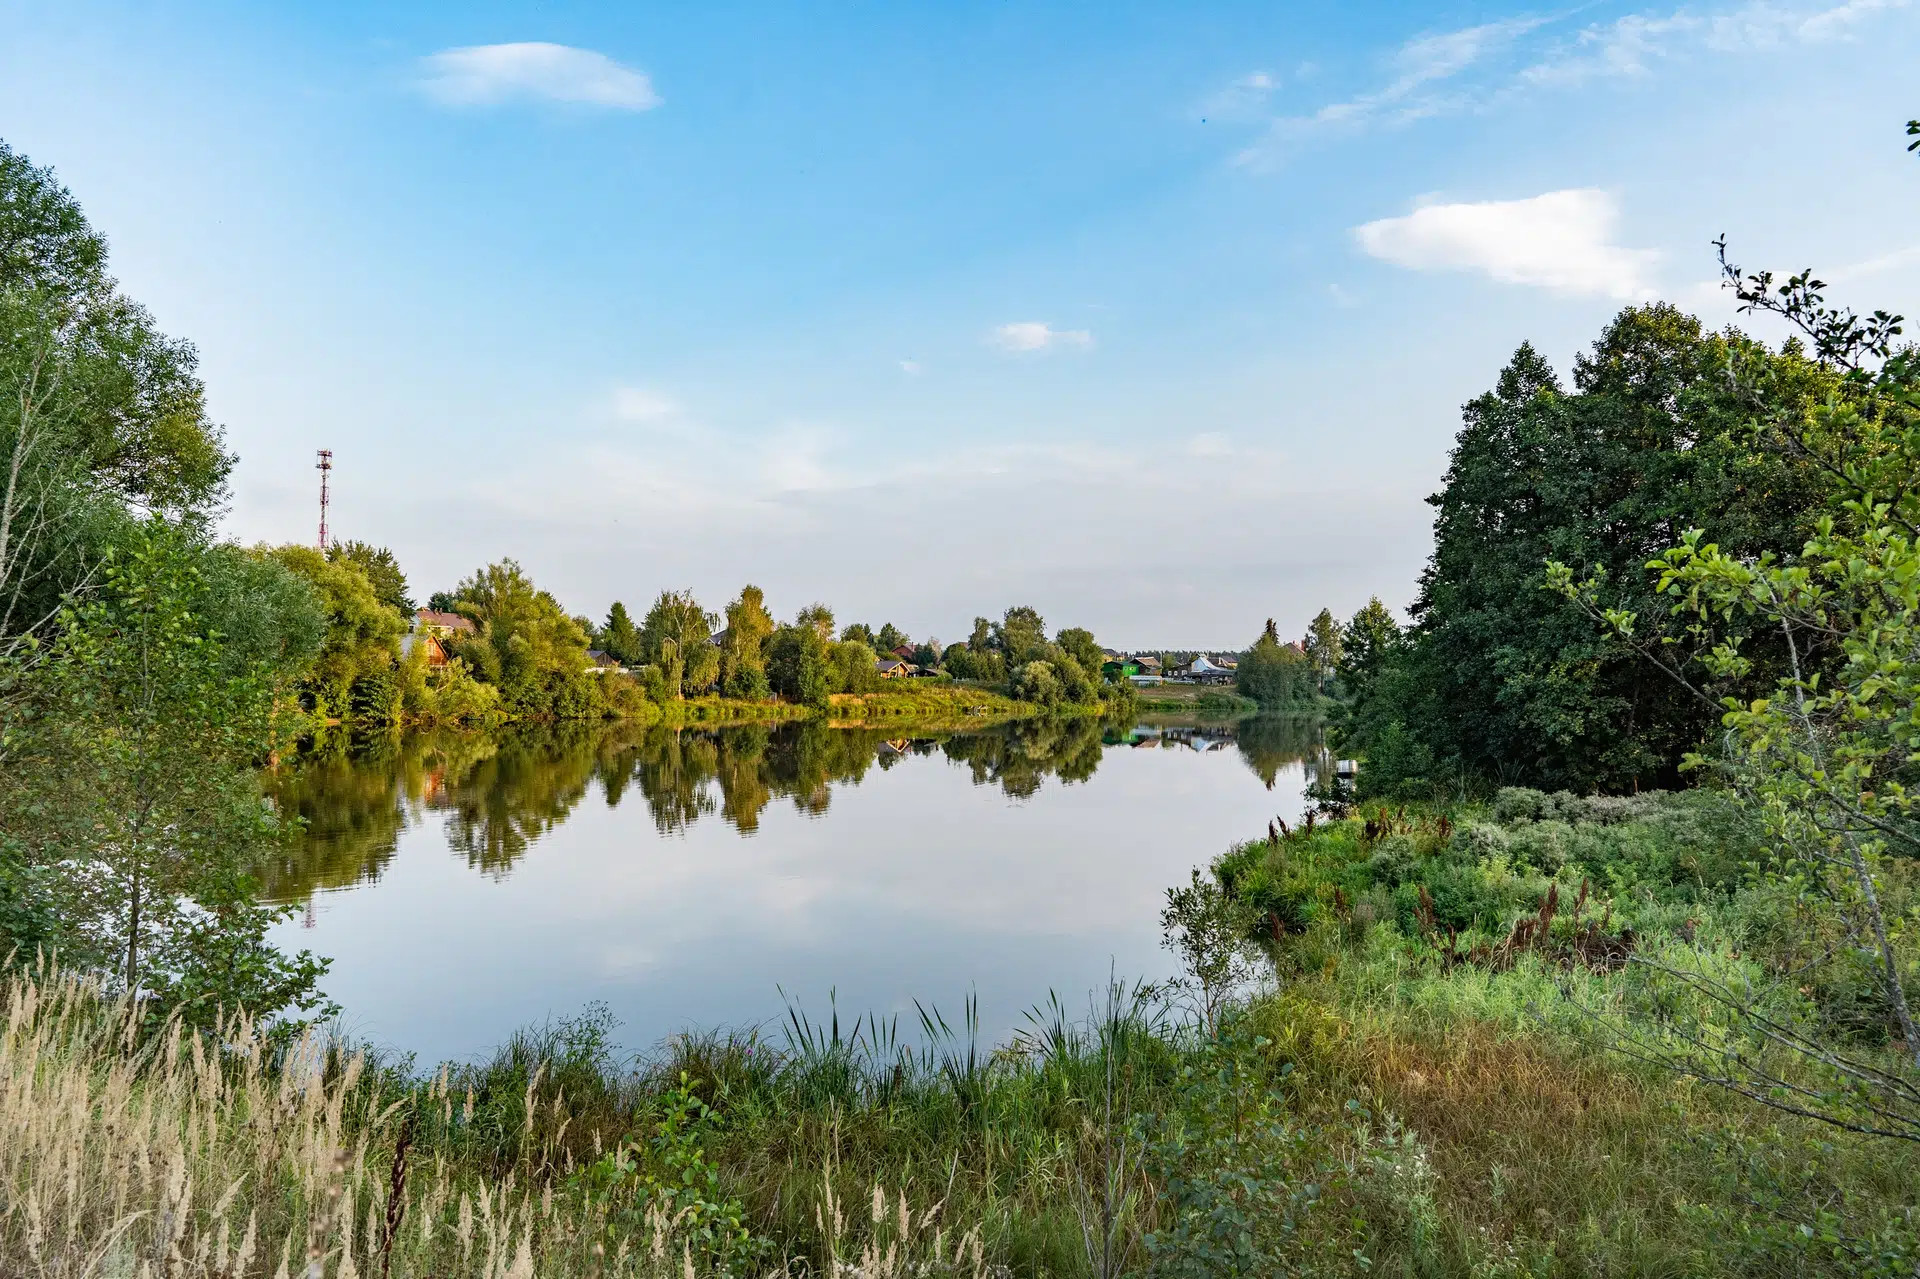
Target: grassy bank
column 1409, row 1099
column 937, row 705
column 1192, row 699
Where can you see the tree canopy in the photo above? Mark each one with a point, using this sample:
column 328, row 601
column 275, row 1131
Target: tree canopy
column 1500, row 677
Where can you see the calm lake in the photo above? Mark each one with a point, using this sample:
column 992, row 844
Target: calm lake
column 465, row 884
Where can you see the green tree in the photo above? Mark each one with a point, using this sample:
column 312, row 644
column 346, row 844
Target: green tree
column 526, row 645
column 382, row 571
column 1276, row 675
column 1502, row 679
column 743, row 659
column 853, row 669
column 1826, row 756
column 857, row 633
column 676, row 639
column 1037, row 682
column 1019, row 633
column 797, row 665
column 620, row 637
column 1078, row 642
column 102, row 417
column 891, row 637
column 1322, row 643
column 817, row 616
column 362, row 634
column 133, row 788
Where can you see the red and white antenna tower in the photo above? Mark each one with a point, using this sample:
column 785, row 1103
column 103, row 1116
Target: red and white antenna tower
column 324, row 466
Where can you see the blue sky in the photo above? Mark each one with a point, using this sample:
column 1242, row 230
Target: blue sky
column 1157, row 317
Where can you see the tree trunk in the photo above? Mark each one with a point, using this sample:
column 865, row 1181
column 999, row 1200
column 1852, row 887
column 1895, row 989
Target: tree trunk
column 133, row 936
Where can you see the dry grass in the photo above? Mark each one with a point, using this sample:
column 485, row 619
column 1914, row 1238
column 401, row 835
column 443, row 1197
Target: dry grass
column 137, row 1153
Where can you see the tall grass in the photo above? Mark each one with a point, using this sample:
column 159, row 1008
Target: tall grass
column 126, row 1151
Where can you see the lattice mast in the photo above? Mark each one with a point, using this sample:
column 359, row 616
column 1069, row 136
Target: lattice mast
column 325, row 467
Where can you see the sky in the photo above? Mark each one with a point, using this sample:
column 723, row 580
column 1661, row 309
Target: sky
column 1157, row 318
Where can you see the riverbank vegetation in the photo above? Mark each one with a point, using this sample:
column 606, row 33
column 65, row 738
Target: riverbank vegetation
column 1445, row 1025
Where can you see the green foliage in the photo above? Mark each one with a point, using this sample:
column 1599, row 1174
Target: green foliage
column 668, row 1176
column 526, row 645
column 131, row 790
column 850, row 665
column 1323, row 643
column 890, row 637
column 857, row 633
column 1277, row 676
column 1237, row 1178
column 743, row 658
column 1207, row 927
column 676, row 640
column 1019, row 634
column 1078, row 643
column 620, row 637
column 102, row 417
column 382, row 571
column 1036, row 682
column 818, row 618
column 362, row 634
column 1502, row 680
column 797, row 666
column 1826, row 750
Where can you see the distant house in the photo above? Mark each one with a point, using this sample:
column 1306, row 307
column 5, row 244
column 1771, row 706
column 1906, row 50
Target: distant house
column 892, row 668
column 435, row 650
column 1148, row 665
column 1202, row 671
column 904, row 652
column 601, row 662
column 1120, row 666
column 442, row 625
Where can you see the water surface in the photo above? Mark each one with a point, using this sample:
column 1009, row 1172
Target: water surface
column 466, row 884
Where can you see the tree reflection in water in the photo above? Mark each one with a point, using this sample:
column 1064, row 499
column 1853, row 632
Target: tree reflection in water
column 501, row 792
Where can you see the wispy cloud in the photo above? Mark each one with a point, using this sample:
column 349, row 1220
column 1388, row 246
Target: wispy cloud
column 488, row 74
column 1632, row 45
column 1037, row 335
column 1563, row 241
column 643, row 404
column 1628, row 46
column 911, row 368
column 1417, row 68
column 1486, row 66
column 1243, row 97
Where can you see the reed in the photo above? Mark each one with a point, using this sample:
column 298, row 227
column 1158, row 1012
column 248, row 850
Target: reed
column 130, row 1152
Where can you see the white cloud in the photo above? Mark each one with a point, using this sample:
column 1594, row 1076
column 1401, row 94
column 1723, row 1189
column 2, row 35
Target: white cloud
column 486, row 74
column 640, row 404
column 1421, row 62
column 910, row 367
column 1427, row 76
column 1898, row 259
column 1242, row 97
column 1625, row 47
column 1838, row 22
column 1037, row 335
column 1428, row 58
column 1562, row 241
column 1631, row 45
